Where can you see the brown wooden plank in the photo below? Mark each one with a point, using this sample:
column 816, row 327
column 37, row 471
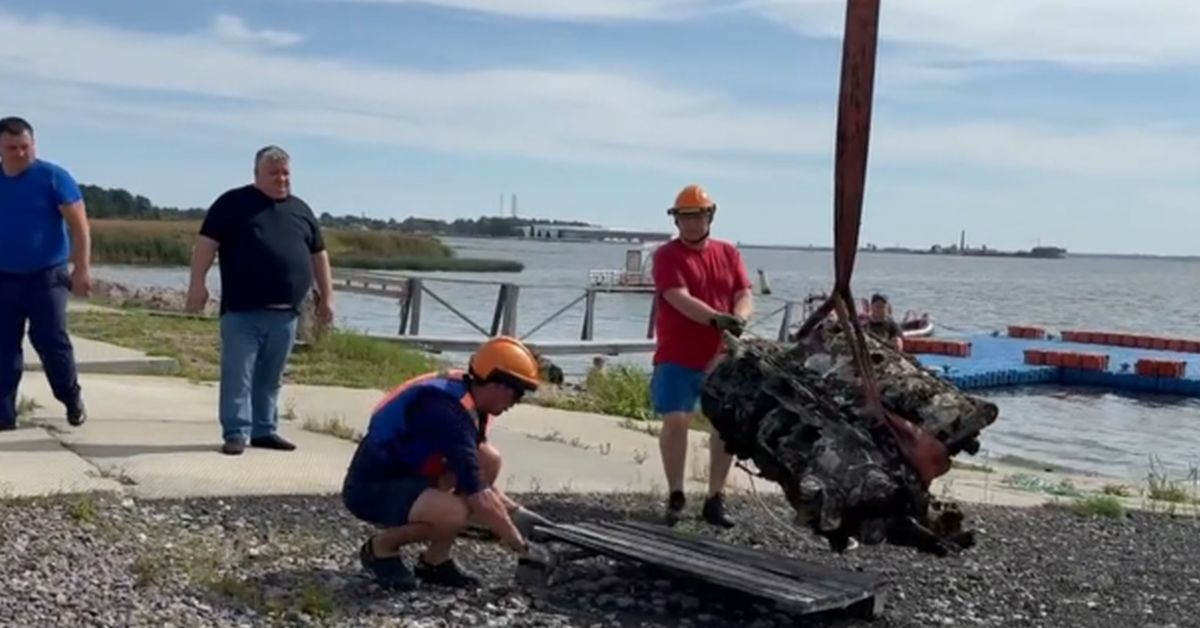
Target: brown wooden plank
column 784, row 565
column 636, row 545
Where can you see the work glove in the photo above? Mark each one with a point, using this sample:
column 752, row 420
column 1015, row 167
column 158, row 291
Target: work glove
column 730, row 323
column 538, row 555
column 525, row 520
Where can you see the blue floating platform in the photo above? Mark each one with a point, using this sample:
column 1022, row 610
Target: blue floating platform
column 999, row 361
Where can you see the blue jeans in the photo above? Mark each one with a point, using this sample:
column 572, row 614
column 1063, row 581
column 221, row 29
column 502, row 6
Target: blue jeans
column 41, row 299
column 255, row 347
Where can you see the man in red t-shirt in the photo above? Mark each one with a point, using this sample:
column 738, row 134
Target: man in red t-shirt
column 702, row 288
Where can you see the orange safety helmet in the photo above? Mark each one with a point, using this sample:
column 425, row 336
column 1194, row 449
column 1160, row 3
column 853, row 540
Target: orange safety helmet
column 506, row 360
column 692, row 199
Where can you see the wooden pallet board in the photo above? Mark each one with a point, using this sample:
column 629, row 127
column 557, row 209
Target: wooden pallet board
column 797, row 585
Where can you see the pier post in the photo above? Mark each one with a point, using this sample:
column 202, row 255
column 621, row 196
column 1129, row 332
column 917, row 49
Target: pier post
column 498, row 313
column 788, row 311
column 414, row 290
column 589, row 316
column 650, row 319
column 509, row 324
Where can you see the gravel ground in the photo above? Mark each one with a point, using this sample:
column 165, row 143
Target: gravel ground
column 113, row 561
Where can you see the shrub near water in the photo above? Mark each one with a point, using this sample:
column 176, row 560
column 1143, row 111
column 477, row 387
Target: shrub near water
column 619, row 390
column 169, row 243
column 383, row 244
column 156, row 242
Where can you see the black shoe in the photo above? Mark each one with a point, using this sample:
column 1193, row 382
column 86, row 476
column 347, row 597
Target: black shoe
column 447, row 574
column 8, row 427
column 675, row 504
column 273, row 441
column 390, row 572
column 76, row 414
column 714, row 512
column 233, row 448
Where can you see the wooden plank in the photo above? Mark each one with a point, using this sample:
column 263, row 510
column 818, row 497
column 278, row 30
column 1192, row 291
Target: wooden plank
column 850, row 581
column 814, row 580
column 789, row 587
column 673, row 559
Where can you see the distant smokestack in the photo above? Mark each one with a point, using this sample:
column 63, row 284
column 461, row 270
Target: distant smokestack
column 962, row 240
column 514, row 205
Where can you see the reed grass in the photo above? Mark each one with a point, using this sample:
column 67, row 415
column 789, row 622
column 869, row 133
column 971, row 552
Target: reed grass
column 169, row 243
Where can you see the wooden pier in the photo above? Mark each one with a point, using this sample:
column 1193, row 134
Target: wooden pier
column 410, row 292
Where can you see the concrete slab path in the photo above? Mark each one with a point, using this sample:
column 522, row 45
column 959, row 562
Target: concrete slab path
column 101, row 357
column 155, row 436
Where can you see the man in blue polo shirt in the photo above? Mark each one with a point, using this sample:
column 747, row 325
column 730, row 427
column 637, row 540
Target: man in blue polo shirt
column 43, row 225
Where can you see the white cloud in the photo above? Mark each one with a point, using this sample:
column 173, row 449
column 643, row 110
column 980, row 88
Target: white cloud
column 571, row 10
column 232, row 28
column 1075, row 32
column 199, row 81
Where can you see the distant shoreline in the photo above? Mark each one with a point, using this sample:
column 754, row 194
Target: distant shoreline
column 829, row 249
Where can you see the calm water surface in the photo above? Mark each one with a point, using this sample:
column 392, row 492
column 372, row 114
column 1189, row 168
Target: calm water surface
column 1080, row 429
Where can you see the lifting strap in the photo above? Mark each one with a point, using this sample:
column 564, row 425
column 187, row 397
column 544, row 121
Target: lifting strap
column 925, row 453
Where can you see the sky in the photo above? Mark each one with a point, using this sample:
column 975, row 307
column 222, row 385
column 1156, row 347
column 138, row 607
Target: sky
column 1054, row 122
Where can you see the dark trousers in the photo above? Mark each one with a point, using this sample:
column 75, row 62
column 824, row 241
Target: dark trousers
column 39, row 298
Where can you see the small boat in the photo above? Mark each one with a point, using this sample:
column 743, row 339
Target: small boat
column 637, row 276
column 914, row 326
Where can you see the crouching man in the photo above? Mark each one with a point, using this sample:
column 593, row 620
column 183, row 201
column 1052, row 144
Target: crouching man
column 424, row 469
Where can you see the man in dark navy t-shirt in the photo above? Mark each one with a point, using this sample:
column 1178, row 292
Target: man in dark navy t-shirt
column 271, row 249
column 43, row 226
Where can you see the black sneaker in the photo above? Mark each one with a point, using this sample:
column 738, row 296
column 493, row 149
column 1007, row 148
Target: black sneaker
column 233, row 448
column 675, row 505
column 76, row 414
column 273, row 441
column 389, row 572
column 447, row 574
column 714, row 511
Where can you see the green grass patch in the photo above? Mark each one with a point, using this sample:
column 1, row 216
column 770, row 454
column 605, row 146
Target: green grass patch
column 332, row 426
column 1098, row 506
column 620, row 390
column 338, row 359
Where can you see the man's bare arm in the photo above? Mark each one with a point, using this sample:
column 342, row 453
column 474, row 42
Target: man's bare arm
column 743, row 304
column 492, row 512
column 324, row 276
column 75, row 215
column 203, row 255
column 689, row 305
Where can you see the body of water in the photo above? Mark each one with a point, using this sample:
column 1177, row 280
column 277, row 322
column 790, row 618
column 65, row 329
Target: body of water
column 1079, row 429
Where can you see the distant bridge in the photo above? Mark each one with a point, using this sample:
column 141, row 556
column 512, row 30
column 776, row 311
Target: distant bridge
column 571, row 232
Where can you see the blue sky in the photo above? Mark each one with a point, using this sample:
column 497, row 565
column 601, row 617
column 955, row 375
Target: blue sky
column 1068, row 122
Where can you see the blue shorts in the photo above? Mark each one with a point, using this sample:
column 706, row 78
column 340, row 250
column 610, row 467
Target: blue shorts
column 384, row 503
column 675, row 388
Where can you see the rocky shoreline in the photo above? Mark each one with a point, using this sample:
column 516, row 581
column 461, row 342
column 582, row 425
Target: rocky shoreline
column 105, row 560
column 118, row 294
